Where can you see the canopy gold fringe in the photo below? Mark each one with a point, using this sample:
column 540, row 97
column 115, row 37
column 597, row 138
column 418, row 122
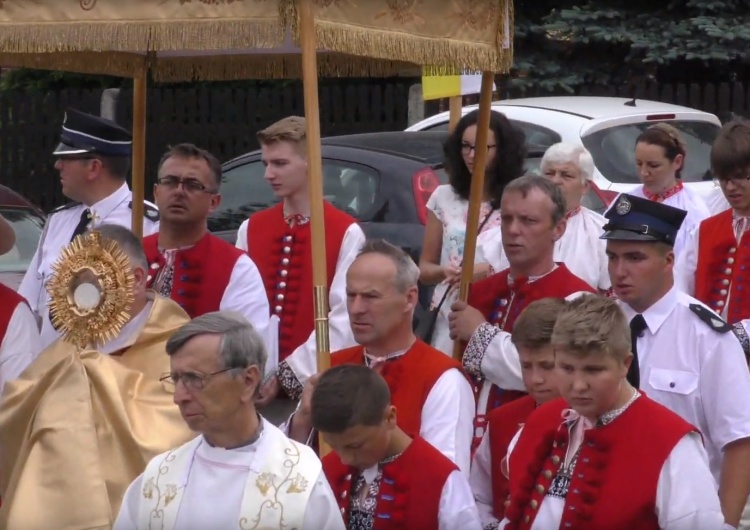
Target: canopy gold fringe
column 98, row 63
column 129, row 36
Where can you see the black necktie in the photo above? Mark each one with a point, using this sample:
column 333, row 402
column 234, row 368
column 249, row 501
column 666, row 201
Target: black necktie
column 637, row 327
column 82, row 224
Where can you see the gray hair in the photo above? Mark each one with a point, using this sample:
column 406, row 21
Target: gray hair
column 569, row 153
column 407, row 272
column 241, row 345
column 126, row 240
column 525, row 184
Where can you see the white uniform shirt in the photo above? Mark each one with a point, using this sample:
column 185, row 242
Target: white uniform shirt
column 61, row 224
column 213, row 496
column 303, row 361
column 686, row 199
column 574, row 249
column 695, row 371
column 20, row 345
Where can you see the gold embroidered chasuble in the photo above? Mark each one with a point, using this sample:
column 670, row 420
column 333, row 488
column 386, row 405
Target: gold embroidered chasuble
column 276, row 493
column 77, row 428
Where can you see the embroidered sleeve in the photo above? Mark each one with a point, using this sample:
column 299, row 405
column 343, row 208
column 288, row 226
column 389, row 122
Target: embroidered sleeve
column 475, row 350
column 289, row 381
column 739, row 330
column 494, row 525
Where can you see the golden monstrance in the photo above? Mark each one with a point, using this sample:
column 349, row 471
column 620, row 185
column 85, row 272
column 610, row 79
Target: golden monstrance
column 90, row 291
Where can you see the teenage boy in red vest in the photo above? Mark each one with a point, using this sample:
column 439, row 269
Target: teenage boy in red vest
column 532, row 333
column 383, row 478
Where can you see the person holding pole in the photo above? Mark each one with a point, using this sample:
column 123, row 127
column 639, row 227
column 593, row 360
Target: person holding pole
column 278, row 240
column 433, row 396
column 533, row 219
column 93, row 159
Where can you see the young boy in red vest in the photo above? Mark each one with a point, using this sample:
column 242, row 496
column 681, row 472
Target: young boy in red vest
column 531, row 335
column 605, row 456
column 384, row 479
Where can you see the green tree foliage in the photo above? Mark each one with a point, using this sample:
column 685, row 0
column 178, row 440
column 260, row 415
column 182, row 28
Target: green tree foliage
column 566, row 44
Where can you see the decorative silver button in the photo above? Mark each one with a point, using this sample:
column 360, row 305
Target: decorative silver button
column 282, row 285
column 285, row 261
column 154, row 266
column 287, row 239
column 725, row 282
column 727, row 271
column 287, row 250
column 277, row 309
column 733, row 250
column 279, row 297
column 723, row 292
column 720, row 303
column 730, row 260
column 283, row 273
column 503, row 302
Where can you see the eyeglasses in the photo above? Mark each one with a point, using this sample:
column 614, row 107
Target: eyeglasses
column 737, row 179
column 190, row 185
column 467, row 148
column 193, row 381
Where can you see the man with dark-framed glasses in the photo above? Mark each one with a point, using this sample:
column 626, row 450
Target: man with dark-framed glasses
column 196, row 269
column 240, row 467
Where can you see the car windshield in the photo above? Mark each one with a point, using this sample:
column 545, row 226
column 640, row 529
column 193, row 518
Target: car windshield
column 28, row 227
column 613, row 150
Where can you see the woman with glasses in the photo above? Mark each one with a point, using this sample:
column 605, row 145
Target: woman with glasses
column 660, row 157
column 443, row 245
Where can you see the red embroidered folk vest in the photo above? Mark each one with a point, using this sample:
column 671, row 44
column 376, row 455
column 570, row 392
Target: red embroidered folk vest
column 283, row 255
column 201, row 272
column 723, row 270
column 410, row 379
column 615, row 478
column 504, row 423
column 410, row 489
column 501, row 304
column 9, row 300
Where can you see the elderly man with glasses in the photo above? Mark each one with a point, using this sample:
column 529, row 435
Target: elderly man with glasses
column 241, row 471
column 198, row 270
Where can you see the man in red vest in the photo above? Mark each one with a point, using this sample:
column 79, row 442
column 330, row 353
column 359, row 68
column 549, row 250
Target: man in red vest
column 196, row 269
column 278, row 241
column 382, row 477
column 606, row 456
column 432, row 395
column 533, row 220
column 532, row 334
column 715, row 263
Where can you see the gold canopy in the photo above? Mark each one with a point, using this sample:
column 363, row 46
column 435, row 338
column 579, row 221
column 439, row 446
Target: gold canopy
column 180, row 40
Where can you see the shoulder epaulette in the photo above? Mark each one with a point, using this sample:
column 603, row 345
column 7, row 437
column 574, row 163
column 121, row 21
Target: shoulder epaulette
column 65, row 206
column 150, row 212
column 714, row 321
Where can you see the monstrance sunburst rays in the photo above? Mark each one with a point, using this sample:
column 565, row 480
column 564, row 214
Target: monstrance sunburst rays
column 90, row 291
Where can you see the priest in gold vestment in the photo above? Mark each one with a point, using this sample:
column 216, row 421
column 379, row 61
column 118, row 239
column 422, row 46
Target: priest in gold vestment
column 80, row 424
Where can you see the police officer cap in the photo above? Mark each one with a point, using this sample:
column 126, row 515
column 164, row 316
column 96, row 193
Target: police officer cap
column 637, row 219
column 87, row 134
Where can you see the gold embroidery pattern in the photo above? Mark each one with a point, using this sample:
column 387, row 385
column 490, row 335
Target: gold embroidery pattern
column 152, row 487
column 266, row 484
column 88, row 5
column 478, row 15
column 402, row 11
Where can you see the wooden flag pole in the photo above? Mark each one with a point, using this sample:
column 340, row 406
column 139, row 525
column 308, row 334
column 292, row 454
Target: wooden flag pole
column 455, row 106
column 476, row 195
column 138, row 183
column 315, row 174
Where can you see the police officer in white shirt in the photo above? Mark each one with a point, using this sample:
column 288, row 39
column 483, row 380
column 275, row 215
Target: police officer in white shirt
column 686, row 356
column 93, row 159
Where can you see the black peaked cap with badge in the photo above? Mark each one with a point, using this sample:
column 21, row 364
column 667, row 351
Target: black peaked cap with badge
column 86, row 134
column 633, row 218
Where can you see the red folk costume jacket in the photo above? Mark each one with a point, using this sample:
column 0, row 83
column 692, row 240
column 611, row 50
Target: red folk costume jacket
column 201, row 272
column 504, row 423
column 612, row 459
column 410, row 488
column 283, row 255
column 722, row 274
column 501, row 300
column 410, row 379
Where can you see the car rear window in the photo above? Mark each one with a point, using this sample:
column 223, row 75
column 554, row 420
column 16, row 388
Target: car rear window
column 613, row 150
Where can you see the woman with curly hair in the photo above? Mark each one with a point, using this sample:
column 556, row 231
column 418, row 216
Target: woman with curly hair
column 443, row 245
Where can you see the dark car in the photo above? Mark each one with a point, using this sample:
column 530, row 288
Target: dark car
column 28, row 223
column 383, row 179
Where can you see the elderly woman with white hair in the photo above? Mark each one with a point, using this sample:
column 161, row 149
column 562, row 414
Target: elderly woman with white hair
column 571, row 167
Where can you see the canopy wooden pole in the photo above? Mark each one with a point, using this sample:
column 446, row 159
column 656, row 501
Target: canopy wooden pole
column 315, row 174
column 455, row 105
column 476, row 195
column 139, row 149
